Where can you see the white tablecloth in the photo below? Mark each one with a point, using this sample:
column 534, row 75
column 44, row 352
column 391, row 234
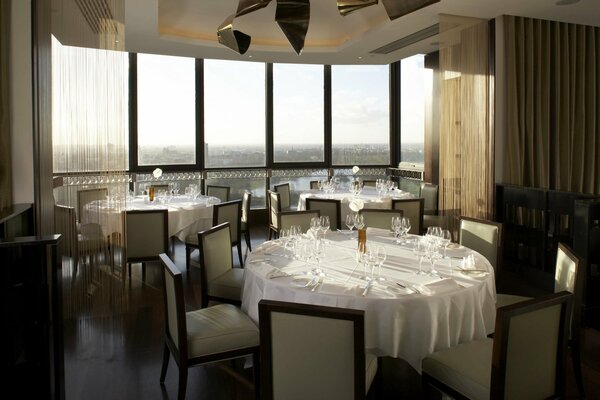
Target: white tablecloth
column 398, row 322
column 368, row 195
column 186, row 216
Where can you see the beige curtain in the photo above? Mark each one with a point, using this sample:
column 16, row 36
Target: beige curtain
column 5, row 153
column 466, row 163
column 553, row 105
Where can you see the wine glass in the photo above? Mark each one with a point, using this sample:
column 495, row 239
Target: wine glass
column 445, row 239
column 432, row 254
column 359, row 221
column 315, row 225
column 420, row 251
column 318, row 248
column 350, row 221
column 381, row 257
column 405, row 223
column 397, row 228
column 325, row 225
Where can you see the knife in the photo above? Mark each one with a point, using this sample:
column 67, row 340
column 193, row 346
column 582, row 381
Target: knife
column 367, row 287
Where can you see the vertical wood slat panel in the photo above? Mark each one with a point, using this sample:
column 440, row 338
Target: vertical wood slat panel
column 5, row 145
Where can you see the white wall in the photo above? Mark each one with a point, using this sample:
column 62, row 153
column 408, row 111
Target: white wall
column 500, row 103
column 21, row 102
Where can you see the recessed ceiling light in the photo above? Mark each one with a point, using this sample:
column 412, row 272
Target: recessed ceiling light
column 360, row 57
column 566, row 2
column 249, row 56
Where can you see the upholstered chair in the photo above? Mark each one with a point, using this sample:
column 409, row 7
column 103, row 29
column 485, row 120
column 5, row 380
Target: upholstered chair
column 146, row 236
column 244, row 221
column 86, row 196
column 274, row 206
column 413, row 210
column 220, row 192
column 485, row 237
column 285, row 196
column 301, row 218
column 376, row 218
column 327, row 207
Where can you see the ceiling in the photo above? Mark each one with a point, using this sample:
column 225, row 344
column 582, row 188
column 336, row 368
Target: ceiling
column 188, row 28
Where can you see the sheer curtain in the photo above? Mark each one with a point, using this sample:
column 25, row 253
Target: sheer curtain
column 553, row 105
column 466, row 137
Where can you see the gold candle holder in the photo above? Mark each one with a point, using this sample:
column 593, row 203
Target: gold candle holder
column 151, row 193
column 362, row 240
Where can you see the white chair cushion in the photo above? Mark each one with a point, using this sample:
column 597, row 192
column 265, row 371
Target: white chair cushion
column 509, row 299
column 467, row 368
column 370, row 370
column 192, row 239
column 433, row 220
column 219, row 328
column 228, row 285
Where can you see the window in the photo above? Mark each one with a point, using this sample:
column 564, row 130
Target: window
column 298, row 113
column 234, row 114
column 360, row 114
column 166, row 110
column 415, row 80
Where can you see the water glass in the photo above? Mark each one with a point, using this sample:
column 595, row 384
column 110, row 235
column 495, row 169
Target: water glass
column 359, row 221
column 381, row 257
column 350, row 221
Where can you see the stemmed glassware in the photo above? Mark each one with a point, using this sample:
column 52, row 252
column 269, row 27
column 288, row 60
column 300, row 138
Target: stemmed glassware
column 325, row 225
column 420, row 251
column 400, row 227
column 359, row 221
column 315, row 226
column 433, row 245
column 445, row 240
column 350, row 221
column 381, row 257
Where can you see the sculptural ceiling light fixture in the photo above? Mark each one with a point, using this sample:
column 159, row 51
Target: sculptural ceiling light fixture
column 293, row 17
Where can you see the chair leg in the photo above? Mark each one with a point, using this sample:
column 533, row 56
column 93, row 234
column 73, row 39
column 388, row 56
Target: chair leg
column 576, row 357
column 188, row 253
column 248, row 243
column 183, row 371
column 165, row 364
column 270, row 233
column 239, row 249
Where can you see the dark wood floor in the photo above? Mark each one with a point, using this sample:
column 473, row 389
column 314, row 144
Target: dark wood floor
column 113, row 342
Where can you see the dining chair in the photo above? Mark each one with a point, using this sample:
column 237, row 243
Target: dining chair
column 216, row 333
column 369, row 182
column 274, row 205
column 220, row 192
column 483, row 236
column 219, row 280
column 86, row 196
column 429, row 193
column 526, row 359
column 230, row 211
column 376, row 218
column 244, row 221
column 286, row 195
column 313, row 352
column 328, row 207
column 158, row 188
column 146, row 236
column 567, row 277
column 413, row 210
column 314, row 185
column 65, row 223
column 302, row 218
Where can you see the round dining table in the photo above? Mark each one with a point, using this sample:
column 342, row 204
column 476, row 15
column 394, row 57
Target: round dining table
column 186, row 215
column 368, row 195
column 407, row 315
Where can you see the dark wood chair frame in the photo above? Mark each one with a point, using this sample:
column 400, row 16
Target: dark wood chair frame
column 143, row 260
column 246, row 231
column 338, row 207
column 180, row 355
column 499, row 355
column 219, row 187
column 314, row 185
column 266, row 307
column 371, row 182
column 283, row 213
column 204, row 296
column 421, row 207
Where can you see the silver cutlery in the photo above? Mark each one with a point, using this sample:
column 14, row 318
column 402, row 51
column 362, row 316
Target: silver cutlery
column 367, row 287
column 319, row 282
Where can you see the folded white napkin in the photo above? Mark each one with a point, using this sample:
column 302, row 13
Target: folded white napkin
column 438, row 287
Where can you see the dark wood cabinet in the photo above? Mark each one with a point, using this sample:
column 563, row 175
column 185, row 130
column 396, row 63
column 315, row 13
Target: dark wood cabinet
column 32, row 317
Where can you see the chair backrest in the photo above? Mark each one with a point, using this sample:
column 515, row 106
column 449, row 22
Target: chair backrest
column 530, row 344
column 220, row 192
column 246, row 203
column 310, row 352
column 146, row 234
column 569, row 278
column 230, row 211
column 175, row 324
column 485, row 237
column 375, row 218
column 274, row 208
column 215, row 252
column 158, row 188
column 328, row 207
column 314, row 185
column 413, row 210
column 286, row 196
column 302, row 218
column 65, row 224
column 88, row 195
column 369, row 182
column 429, row 193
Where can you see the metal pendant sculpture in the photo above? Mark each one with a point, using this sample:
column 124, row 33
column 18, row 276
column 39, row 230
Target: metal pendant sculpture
column 235, row 40
column 293, row 17
column 346, row 7
column 398, row 8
